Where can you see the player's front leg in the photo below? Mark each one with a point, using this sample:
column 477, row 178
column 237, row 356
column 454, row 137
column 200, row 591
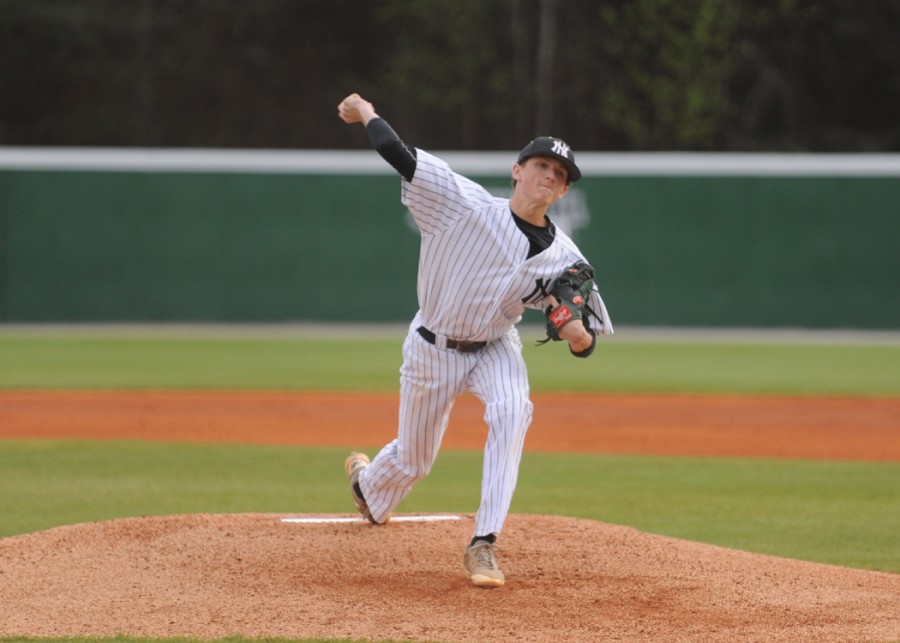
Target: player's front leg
column 501, row 381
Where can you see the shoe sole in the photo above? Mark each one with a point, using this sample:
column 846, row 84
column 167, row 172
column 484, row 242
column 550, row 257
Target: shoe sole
column 355, row 457
column 480, row 580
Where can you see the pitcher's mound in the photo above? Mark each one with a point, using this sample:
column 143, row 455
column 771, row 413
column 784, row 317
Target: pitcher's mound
column 567, row 580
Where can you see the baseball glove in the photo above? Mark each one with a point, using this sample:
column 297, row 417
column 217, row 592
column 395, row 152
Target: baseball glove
column 571, row 290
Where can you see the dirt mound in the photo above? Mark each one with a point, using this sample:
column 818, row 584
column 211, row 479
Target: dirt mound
column 568, row 580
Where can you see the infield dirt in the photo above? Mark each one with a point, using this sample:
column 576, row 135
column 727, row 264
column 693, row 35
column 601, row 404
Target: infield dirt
column 568, row 579
column 855, row 428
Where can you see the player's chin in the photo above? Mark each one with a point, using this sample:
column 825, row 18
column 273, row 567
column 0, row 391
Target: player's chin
column 556, row 197
column 547, row 196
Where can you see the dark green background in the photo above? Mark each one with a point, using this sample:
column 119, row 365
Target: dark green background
column 693, row 251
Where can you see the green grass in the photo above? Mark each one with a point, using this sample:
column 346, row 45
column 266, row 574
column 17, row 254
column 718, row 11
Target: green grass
column 373, row 364
column 153, row 362
column 835, row 512
column 843, row 513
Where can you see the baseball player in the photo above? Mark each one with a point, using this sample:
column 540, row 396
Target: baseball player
column 483, row 260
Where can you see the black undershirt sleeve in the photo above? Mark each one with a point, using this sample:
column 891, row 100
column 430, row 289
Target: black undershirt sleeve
column 384, row 139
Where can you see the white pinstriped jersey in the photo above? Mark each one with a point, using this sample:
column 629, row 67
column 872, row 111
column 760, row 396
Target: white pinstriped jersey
column 475, row 277
column 475, row 281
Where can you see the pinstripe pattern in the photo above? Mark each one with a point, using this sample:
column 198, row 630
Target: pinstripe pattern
column 475, row 280
column 430, row 380
column 501, row 382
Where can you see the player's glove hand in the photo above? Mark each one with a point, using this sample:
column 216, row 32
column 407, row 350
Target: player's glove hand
column 571, row 290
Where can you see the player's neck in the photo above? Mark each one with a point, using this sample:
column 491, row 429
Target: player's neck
column 533, row 213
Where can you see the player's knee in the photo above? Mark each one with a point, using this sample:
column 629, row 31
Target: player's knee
column 523, row 410
column 516, row 410
column 414, row 471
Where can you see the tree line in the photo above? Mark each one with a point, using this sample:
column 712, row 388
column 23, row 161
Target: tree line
column 607, row 75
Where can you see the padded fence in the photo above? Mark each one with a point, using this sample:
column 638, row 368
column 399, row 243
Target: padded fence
column 319, row 236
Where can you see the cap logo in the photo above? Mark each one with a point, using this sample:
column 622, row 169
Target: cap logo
column 560, row 148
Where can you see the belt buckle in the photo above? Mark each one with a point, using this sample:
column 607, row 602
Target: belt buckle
column 465, row 347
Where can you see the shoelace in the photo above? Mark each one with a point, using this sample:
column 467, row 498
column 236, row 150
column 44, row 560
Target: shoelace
column 484, row 557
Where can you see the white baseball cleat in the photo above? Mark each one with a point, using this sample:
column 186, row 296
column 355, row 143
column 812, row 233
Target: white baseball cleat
column 353, row 466
column 481, row 566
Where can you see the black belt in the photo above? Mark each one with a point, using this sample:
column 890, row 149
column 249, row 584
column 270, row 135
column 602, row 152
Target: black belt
column 462, row 347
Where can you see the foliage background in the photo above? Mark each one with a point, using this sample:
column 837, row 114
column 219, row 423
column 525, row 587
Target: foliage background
column 616, row 75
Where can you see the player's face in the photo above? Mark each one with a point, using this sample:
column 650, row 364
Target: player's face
column 542, row 178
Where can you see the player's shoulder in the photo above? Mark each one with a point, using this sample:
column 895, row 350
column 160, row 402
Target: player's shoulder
column 565, row 242
column 436, row 172
column 434, row 164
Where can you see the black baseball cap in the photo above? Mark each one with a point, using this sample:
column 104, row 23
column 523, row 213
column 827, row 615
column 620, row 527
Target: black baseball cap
column 554, row 148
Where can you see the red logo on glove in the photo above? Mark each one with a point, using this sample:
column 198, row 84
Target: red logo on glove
column 577, row 300
column 560, row 317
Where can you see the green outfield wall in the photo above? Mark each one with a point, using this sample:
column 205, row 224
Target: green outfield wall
column 677, row 240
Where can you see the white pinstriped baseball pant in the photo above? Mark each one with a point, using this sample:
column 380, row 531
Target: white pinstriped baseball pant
column 430, row 380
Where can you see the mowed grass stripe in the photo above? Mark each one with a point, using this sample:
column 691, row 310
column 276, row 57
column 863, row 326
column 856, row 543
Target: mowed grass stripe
column 115, row 362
